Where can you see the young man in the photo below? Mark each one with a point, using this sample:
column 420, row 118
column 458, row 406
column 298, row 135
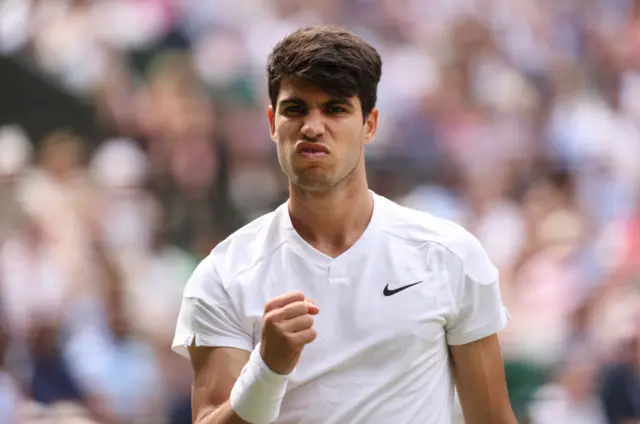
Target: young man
column 340, row 307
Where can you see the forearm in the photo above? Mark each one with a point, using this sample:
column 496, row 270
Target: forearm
column 223, row 414
column 507, row 417
column 253, row 398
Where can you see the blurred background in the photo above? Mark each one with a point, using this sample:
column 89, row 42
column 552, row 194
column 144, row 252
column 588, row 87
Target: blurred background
column 133, row 138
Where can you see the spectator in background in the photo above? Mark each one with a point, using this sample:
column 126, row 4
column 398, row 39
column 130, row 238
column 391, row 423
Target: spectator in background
column 188, row 159
column 50, row 377
column 10, row 393
column 573, row 396
column 57, row 196
column 32, row 283
column 160, row 268
column 621, row 384
column 15, row 154
column 122, row 205
column 117, row 367
column 625, row 252
column 543, row 290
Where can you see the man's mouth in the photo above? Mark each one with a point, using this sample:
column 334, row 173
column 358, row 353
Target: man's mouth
column 312, row 150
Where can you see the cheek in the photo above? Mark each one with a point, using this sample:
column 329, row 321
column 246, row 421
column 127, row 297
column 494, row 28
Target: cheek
column 285, row 148
column 345, row 131
column 283, row 151
column 355, row 138
column 286, row 129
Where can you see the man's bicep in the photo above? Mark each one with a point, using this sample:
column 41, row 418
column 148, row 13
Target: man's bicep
column 215, row 372
column 480, row 382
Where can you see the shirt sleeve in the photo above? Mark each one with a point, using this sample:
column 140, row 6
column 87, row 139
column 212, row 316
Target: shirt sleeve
column 475, row 288
column 208, row 316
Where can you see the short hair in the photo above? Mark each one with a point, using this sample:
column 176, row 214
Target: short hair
column 329, row 57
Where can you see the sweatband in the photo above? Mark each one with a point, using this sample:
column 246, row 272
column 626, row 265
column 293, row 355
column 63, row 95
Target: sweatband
column 258, row 392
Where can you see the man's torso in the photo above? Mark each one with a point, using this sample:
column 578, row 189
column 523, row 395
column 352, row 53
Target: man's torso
column 381, row 354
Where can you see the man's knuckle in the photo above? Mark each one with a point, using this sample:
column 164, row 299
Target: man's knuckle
column 291, row 310
column 297, row 295
column 270, row 318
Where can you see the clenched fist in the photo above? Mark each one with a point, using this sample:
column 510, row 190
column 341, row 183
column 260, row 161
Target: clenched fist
column 287, row 326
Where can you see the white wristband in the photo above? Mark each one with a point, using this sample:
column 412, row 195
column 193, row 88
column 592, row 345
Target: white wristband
column 258, row 392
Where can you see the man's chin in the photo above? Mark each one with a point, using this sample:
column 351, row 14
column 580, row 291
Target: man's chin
column 312, row 183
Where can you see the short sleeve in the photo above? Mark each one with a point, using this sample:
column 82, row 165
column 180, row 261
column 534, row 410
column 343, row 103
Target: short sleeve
column 208, row 316
column 475, row 289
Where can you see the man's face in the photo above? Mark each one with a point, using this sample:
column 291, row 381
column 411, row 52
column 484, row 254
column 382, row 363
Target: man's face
column 320, row 138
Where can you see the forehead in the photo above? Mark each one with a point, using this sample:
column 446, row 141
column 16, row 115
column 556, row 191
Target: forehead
column 296, row 89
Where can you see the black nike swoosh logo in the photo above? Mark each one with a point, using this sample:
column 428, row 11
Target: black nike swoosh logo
column 388, row 292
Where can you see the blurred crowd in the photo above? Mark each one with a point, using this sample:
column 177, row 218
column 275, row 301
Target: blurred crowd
column 519, row 119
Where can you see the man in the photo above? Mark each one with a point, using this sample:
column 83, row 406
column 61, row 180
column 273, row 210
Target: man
column 340, row 307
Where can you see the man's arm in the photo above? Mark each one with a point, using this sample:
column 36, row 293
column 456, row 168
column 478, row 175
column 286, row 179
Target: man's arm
column 480, row 381
column 287, row 327
column 215, row 372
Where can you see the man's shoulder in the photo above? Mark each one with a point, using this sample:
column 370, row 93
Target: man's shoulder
column 248, row 245
column 239, row 252
column 423, row 228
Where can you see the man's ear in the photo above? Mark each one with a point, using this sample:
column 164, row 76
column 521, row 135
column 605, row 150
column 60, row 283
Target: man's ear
column 272, row 124
column 370, row 126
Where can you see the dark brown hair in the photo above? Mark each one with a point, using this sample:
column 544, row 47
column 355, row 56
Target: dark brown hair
column 329, row 57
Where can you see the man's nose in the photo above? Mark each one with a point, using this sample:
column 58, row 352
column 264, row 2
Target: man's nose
column 313, row 126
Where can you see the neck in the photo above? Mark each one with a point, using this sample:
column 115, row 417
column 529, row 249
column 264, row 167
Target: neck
column 332, row 221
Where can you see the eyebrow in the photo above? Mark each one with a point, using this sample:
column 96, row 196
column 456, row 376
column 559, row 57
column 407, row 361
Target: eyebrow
column 332, row 101
column 288, row 100
column 340, row 101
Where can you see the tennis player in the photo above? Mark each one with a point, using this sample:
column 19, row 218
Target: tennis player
column 341, row 307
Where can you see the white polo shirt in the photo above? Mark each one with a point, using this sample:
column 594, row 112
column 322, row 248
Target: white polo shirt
column 381, row 353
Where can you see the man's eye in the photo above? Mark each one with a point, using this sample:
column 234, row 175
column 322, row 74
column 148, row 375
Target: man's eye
column 293, row 110
column 336, row 109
